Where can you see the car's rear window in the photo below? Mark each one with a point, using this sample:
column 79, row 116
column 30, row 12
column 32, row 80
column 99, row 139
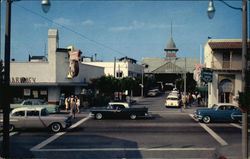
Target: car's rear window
column 172, row 98
column 33, row 113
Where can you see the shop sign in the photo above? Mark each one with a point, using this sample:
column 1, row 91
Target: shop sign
column 207, row 76
column 74, row 57
column 23, row 80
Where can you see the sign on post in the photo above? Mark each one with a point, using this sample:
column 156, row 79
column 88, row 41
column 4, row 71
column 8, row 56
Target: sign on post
column 207, row 76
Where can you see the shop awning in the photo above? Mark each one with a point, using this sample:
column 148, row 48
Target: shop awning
column 202, row 89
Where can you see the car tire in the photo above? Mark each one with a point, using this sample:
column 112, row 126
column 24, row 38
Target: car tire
column 55, row 127
column 98, row 116
column 132, row 116
column 206, row 119
column 11, row 128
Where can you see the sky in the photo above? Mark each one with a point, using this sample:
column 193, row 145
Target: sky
column 136, row 29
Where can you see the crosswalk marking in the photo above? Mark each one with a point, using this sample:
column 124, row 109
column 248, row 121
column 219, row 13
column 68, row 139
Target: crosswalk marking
column 57, row 135
column 212, row 133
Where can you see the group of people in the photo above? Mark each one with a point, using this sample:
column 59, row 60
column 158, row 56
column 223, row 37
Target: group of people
column 72, row 103
column 189, row 99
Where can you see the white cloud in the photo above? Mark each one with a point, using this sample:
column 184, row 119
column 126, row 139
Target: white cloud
column 41, row 25
column 135, row 25
column 87, row 22
column 63, row 21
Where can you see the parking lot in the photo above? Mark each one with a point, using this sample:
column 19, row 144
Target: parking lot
column 170, row 133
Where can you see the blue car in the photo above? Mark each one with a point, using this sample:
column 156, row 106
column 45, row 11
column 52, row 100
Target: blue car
column 223, row 112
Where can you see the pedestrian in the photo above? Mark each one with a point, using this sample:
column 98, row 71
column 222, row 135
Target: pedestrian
column 77, row 104
column 67, row 103
column 199, row 99
column 73, row 106
column 184, row 101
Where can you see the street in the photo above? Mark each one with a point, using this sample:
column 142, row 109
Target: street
column 169, row 133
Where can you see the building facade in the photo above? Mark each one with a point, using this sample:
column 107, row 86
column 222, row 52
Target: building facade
column 223, row 57
column 169, row 68
column 123, row 67
column 48, row 78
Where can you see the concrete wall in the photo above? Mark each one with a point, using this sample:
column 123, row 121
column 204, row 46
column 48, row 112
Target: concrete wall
column 41, row 71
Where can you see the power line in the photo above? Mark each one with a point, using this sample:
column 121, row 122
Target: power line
column 69, row 29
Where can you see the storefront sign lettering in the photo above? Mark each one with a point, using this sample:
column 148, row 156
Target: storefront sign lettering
column 23, row 80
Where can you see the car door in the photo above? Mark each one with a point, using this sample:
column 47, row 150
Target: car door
column 17, row 119
column 219, row 114
column 224, row 113
column 32, row 119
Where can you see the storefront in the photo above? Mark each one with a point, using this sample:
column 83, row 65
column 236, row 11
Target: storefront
column 59, row 74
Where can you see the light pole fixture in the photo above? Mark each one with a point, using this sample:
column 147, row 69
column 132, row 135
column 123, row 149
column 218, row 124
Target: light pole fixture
column 6, row 81
column 45, row 5
column 245, row 69
column 211, row 10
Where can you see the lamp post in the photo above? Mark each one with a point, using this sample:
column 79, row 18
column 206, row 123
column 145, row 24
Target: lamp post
column 142, row 81
column 6, row 80
column 245, row 81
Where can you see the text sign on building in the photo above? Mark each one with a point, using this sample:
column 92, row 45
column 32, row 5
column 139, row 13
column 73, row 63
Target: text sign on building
column 206, row 76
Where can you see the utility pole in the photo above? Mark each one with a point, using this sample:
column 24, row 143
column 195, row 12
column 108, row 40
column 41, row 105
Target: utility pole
column 142, row 81
column 6, row 85
column 245, row 81
column 185, row 79
column 114, row 66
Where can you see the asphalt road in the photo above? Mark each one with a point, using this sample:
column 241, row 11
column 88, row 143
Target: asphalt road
column 170, row 133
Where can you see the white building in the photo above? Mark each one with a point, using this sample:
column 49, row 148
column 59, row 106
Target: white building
column 223, row 57
column 48, row 78
column 124, row 67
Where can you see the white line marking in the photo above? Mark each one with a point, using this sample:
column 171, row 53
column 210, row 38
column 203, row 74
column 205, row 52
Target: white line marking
column 11, row 134
column 238, row 126
column 212, row 133
column 57, row 135
column 128, row 149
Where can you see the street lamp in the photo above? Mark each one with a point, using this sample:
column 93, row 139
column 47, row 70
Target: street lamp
column 142, row 79
column 245, row 80
column 6, row 81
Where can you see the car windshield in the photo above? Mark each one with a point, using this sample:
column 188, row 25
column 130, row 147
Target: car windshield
column 215, row 106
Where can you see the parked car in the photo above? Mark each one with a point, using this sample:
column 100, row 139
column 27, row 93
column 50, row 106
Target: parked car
column 118, row 111
column 153, row 92
column 223, row 112
column 37, row 117
column 52, row 108
column 172, row 101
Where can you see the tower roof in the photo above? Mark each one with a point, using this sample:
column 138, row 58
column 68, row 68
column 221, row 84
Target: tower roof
column 171, row 45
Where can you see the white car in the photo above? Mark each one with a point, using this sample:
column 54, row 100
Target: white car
column 37, row 117
column 172, row 101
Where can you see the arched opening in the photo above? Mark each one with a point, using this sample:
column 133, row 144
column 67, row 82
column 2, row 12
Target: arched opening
column 225, row 91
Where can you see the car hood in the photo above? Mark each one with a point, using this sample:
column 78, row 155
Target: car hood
column 203, row 110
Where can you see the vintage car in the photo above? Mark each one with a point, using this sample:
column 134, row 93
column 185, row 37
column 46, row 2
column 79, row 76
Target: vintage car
column 37, row 117
column 37, row 102
column 153, row 92
column 118, row 111
column 223, row 112
column 172, row 101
